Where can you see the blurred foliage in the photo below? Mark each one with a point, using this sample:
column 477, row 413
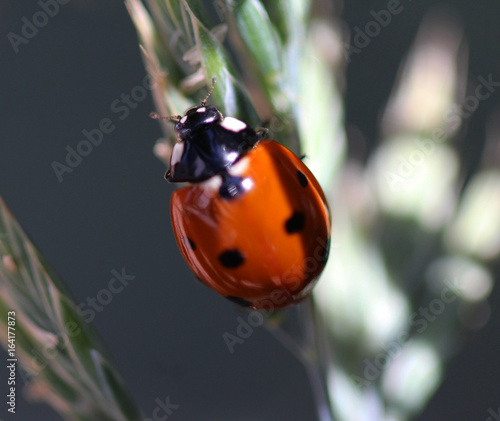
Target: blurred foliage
column 410, row 274
column 62, row 360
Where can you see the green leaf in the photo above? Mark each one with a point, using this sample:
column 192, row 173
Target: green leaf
column 262, row 42
column 200, row 10
column 163, row 41
column 229, row 95
column 276, row 9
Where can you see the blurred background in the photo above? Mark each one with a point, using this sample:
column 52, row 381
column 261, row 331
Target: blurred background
column 112, row 210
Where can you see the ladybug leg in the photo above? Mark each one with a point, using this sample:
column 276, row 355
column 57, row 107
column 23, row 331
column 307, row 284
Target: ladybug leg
column 262, row 133
column 240, row 301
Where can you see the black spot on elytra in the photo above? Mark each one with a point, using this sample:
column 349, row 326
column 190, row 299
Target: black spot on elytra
column 302, row 178
column 190, row 243
column 231, row 258
column 326, row 251
column 240, row 301
column 295, row 223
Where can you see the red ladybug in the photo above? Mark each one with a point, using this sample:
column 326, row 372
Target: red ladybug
column 254, row 224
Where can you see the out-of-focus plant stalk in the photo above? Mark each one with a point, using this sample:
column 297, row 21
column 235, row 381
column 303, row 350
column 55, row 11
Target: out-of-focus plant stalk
column 58, row 351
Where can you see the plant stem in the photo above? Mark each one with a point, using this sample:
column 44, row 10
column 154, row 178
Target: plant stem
column 309, row 345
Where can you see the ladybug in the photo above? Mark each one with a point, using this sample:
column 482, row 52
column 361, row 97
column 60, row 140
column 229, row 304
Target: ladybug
column 253, row 224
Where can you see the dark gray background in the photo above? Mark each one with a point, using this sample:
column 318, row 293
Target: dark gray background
column 164, row 330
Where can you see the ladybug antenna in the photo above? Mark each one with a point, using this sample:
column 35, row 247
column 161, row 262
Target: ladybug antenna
column 157, row 116
column 209, row 92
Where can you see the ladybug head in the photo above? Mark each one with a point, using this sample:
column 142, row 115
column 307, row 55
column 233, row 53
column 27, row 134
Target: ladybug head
column 208, row 144
column 197, row 118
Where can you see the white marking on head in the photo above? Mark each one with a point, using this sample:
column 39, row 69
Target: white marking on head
column 240, row 167
column 233, row 124
column 177, row 152
column 201, row 110
column 183, row 119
